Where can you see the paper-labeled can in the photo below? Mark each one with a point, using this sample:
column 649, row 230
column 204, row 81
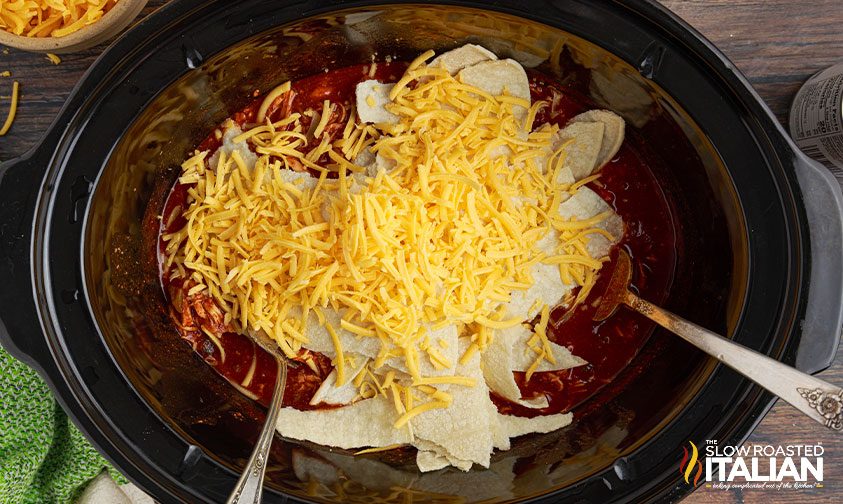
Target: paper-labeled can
column 816, row 118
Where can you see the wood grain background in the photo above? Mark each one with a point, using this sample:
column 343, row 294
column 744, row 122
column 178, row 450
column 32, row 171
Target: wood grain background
column 778, row 44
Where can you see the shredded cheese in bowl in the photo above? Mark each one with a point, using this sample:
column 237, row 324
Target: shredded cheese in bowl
column 51, row 18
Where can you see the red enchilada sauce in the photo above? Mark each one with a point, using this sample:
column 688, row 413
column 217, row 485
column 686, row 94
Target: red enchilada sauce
column 627, row 184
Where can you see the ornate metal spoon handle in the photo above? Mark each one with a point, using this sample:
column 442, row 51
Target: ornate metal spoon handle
column 249, row 488
column 816, row 398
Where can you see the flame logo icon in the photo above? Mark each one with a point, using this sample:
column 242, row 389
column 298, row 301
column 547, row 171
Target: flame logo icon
column 690, row 465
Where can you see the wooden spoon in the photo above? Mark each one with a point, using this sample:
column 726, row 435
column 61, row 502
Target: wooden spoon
column 816, row 398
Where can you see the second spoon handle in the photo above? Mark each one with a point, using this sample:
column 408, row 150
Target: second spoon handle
column 249, row 488
column 816, row 398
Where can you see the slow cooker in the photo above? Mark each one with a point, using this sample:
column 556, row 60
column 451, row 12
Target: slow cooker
column 81, row 303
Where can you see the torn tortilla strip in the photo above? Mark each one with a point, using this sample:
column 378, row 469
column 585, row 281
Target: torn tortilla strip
column 373, row 163
column 519, row 426
column 500, row 441
column 585, row 204
column 300, row 180
column 228, row 146
column 456, row 59
column 450, row 353
column 523, row 356
column 431, row 461
column 547, row 289
column 583, row 151
column 434, row 455
column 319, row 340
column 372, row 98
column 381, row 164
column 463, row 430
column 613, row 132
column 565, row 176
column 330, row 393
column 498, row 76
column 498, row 364
column 364, row 424
column 365, row 158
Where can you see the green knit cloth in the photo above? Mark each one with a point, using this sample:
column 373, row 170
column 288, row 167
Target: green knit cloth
column 44, row 459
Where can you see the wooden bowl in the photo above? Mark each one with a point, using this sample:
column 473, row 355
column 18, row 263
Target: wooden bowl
column 110, row 24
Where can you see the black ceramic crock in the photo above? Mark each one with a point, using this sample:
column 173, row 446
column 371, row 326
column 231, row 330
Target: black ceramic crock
column 79, row 301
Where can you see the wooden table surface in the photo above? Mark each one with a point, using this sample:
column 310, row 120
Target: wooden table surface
column 777, row 44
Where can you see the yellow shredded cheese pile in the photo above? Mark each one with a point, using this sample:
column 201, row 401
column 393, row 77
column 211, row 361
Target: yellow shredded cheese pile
column 51, row 18
column 442, row 237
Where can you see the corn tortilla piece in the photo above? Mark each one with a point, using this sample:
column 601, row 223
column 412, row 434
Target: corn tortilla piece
column 373, row 163
column 583, row 151
column 381, row 164
column 365, row 158
column 585, row 204
column 565, row 176
column 432, row 457
column 372, row 97
column 463, row 430
column 498, row 365
column 450, row 336
column 498, row 76
column 329, row 393
column 547, row 289
column 364, row 424
column 431, row 461
column 613, row 135
column 520, row 426
column 523, row 356
column 456, row 59
column 228, row 145
column 319, row 340
column 301, row 180
column 500, row 441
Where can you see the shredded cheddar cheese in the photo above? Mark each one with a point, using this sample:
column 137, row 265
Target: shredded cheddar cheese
column 441, row 232
column 13, row 108
column 51, row 18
